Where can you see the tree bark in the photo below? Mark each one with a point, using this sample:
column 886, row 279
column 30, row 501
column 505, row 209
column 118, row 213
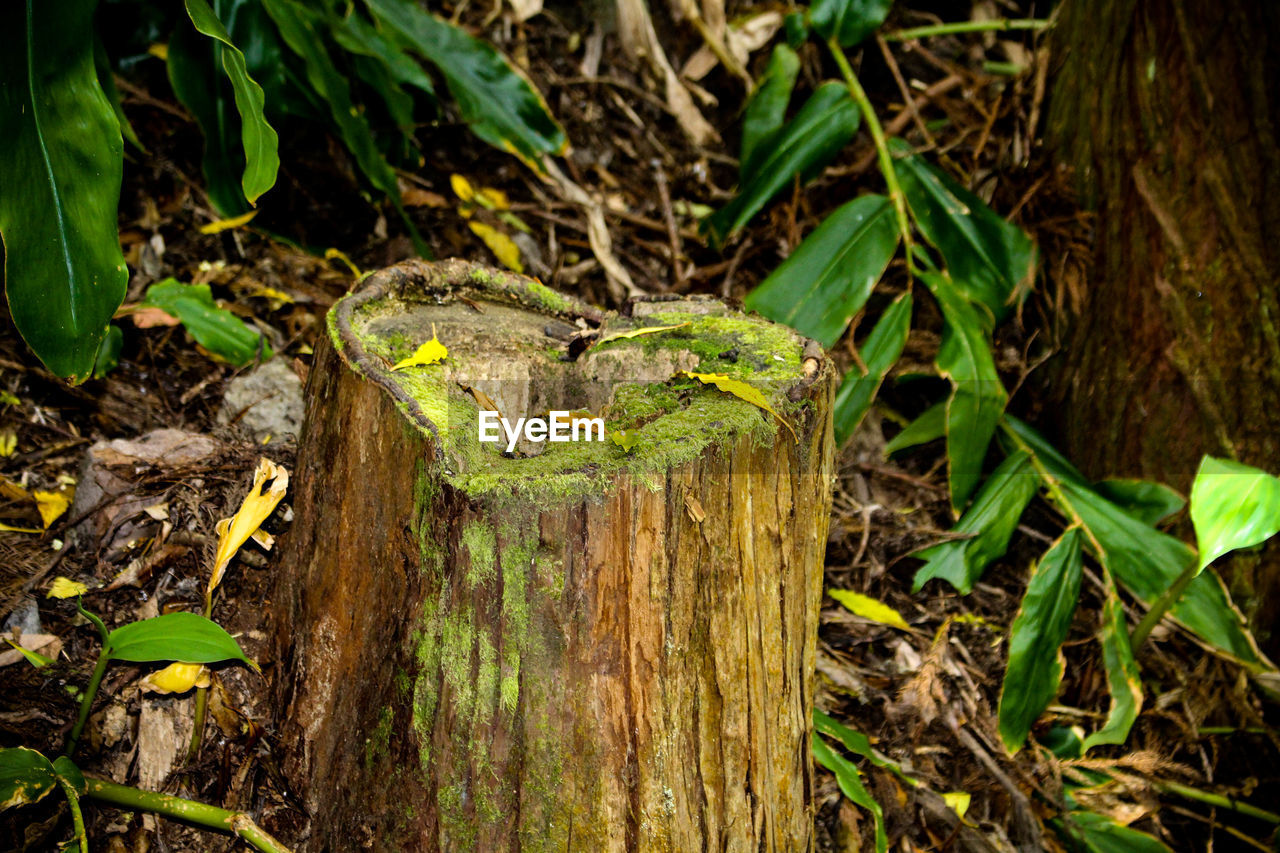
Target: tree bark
column 1166, row 112
column 579, row 649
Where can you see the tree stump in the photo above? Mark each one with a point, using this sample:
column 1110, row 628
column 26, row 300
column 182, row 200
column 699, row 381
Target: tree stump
column 572, row 645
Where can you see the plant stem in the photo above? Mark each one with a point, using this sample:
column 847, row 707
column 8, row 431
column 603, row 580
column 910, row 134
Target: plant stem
column 77, row 819
column 882, row 147
column 197, row 727
column 1001, row 24
column 211, row 817
column 1161, row 606
column 86, row 703
column 1217, row 800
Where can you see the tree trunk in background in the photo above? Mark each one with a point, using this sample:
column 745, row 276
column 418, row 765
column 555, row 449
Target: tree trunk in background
column 587, row 649
column 1166, row 111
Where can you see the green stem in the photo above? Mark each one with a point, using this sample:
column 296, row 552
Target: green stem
column 1161, row 606
column 210, row 817
column 882, row 146
column 86, row 703
column 1001, row 25
column 1217, row 800
column 197, row 728
column 77, row 819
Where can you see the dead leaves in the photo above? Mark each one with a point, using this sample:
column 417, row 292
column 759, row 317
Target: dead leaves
column 270, row 482
column 742, row 391
column 432, row 352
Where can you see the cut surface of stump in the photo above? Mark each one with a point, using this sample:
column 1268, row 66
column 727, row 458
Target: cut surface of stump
column 590, row 645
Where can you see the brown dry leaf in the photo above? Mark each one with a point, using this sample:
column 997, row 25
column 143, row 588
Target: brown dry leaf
column 258, row 504
column 148, row 318
column 418, row 197
column 640, row 40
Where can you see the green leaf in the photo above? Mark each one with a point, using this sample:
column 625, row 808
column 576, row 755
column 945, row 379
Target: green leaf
column 1035, row 667
column 767, row 108
column 500, row 106
column 25, row 777
column 800, row 148
column 850, row 22
column 1232, row 506
column 829, row 276
column 990, row 521
column 182, row 637
column 108, row 357
column 879, row 353
column 1149, row 502
column 61, row 157
column 974, row 410
column 69, row 773
column 216, row 329
column 850, row 782
column 1099, row 834
column 102, row 64
column 1124, row 682
column 858, row 743
column 991, row 261
column 358, row 36
column 931, row 425
column 256, row 136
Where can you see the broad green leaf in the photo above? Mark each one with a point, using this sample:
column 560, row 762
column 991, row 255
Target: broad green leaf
column 258, row 138
column 767, row 108
column 25, row 777
column 1018, row 434
column 974, row 409
column 868, row 608
column 859, row 744
column 991, row 260
column 1100, row 834
column 989, row 522
column 879, row 353
column 850, row 22
column 356, row 35
column 931, row 425
column 1063, row 742
column 1232, row 506
column 1034, row 672
column 850, row 782
column 1124, row 682
column 102, row 64
column 829, row 276
column 1149, row 502
column 500, row 106
column 398, row 102
column 68, row 772
column 800, row 148
column 61, row 157
column 184, row 637
column 216, row 329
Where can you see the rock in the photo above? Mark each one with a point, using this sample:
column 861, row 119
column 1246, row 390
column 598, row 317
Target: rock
column 267, row 402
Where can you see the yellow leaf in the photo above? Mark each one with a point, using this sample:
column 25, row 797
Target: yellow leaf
column 66, row 588
column 958, row 801
column 258, row 504
column 743, row 391
column 335, row 254
column 159, row 50
column 637, row 333
column 177, row 678
column 8, row 442
column 11, row 529
column 493, row 199
column 462, row 188
column 429, row 353
column 221, row 225
column 9, row 399
column 506, row 251
column 625, row 438
column 51, row 505
column 868, row 608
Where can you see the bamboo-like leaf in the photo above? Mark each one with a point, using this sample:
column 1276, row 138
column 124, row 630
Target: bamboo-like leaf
column 185, row 637
column 1147, row 501
column 1100, row 834
column 356, row 35
column 989, row 521
column 859, row 744
column 850, row 782
column 216, row 329
column 829, row 276
column 850, row 22
column 1035, row 666
column 931, row 425
column 1232, row 506
column 767, row 107
column 1124, row 682
column 800, row 148
column 61, row 158
column 991, row 260
column 26, row 776
column 879, row 353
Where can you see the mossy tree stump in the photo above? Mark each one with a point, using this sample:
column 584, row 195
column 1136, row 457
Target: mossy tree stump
column 582, row 648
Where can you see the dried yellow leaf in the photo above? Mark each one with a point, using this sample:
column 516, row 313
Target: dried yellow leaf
column 958, row 801
column 742, row 391
column 11, row 529
column 462, row 188
column 66, row 588
column 258, row 504
column 502, row 246
column 51, row 505
column 8, row 442
column 493, row 199
column 868, row 608
column 429, row 353
column 337, row 254
column 220, row 225
column 625, row 438
column 638, row 333
column 177, row 678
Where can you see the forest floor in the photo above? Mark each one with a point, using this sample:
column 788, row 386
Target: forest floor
column 926, row 696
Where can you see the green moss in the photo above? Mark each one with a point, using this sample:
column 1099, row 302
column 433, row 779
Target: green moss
column 547, row 299
column 377, row 745
column 480, row 544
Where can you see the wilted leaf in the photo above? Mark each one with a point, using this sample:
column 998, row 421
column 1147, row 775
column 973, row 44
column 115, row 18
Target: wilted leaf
column 429, row 353
column 1123, row 679
column 216, row 329
column 187, row 637
column 742, row 391
column 829, row 276
column 868, row 608
column 850, row 22
column 176, row 678
column 1232, row 506
column 52, row 505
column 638, row 333
column 879, row 353
column 1035, row 666
column 258, row 504
column 26, row 776
column 767, row 107
column 502, row 246
column 220, row 225
column 958, row 801
column 66, row 588
column 850, row 782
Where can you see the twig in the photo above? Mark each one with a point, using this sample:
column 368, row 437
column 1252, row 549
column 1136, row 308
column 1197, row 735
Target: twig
column 912, row 110
column 673, row 234
column 999, row 25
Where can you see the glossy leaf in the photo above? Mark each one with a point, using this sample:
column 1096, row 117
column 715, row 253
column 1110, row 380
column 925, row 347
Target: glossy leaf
column 1232, row 506
column 850, row 22
column 931, row 425
column 185, row 637
column 767, row 107
column 1100, row 834
column 356, row 35
column 1034, row 671
column 974, row 410
column 850, row 782
column 107, row 80
column 216, row 329
column 1147, row 501
column 500, row 106
column 61, row 157
column 26, row 776
column 800, row 148
column 879, row 353
column 1124, row 681
column 257, row 137
column 829, row 276
column 990, row 260
column 68, row 772
column 989, row 522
